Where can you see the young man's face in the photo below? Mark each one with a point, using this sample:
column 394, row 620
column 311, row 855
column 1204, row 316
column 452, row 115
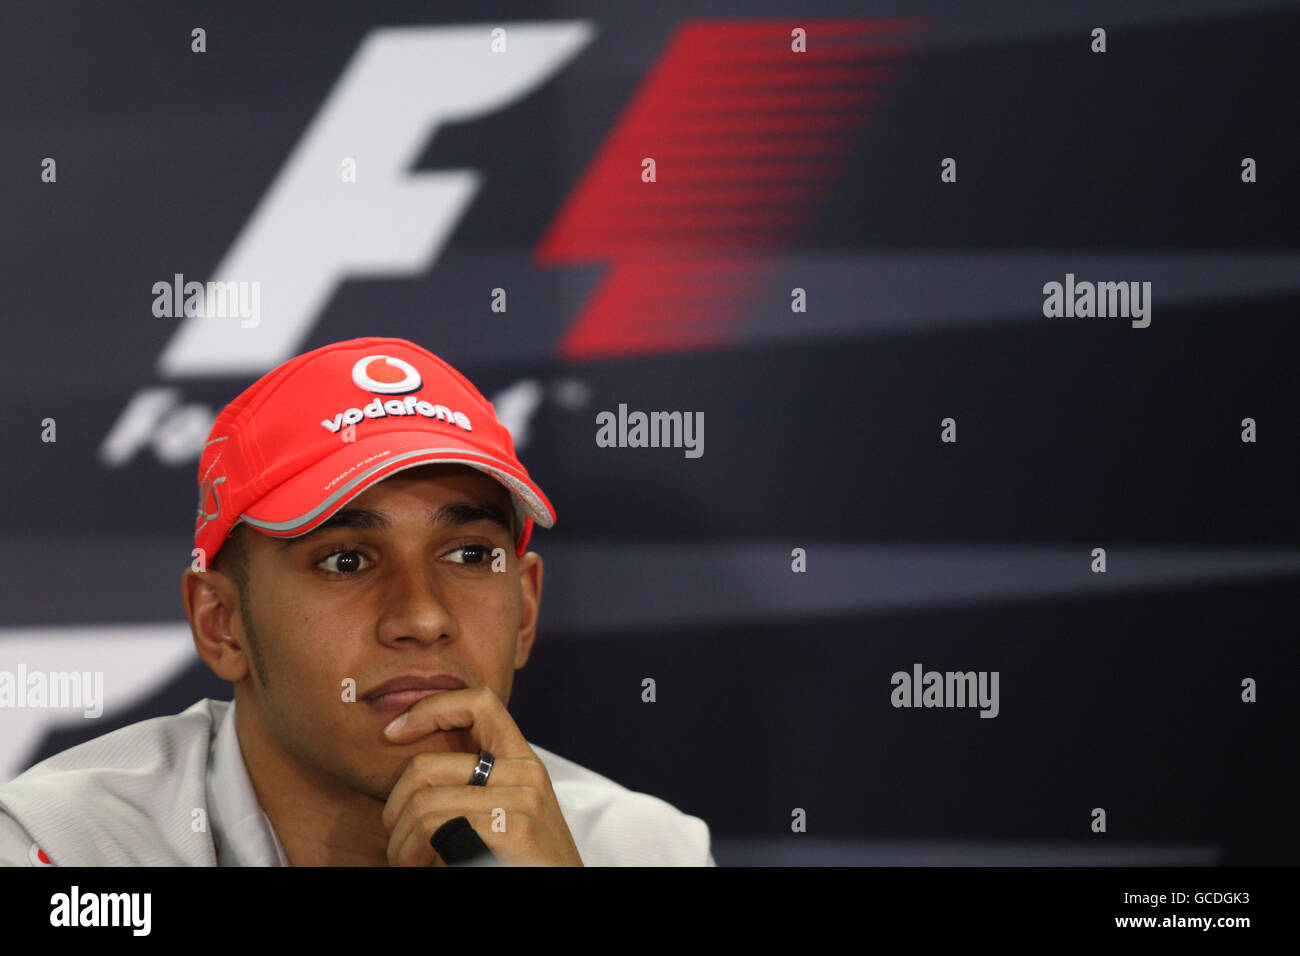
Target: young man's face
column 388, row 593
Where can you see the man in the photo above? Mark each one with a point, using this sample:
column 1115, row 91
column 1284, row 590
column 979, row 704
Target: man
column 361, row 576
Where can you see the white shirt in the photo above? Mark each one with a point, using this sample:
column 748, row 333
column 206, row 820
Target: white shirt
column 174, row 791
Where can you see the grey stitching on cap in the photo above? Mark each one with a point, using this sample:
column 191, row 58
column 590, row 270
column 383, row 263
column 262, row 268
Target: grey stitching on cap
column 518, row 487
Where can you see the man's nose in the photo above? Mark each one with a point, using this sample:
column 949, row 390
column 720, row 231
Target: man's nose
column 414, row 603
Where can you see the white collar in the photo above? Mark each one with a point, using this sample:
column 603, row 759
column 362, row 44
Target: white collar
column 241, row 830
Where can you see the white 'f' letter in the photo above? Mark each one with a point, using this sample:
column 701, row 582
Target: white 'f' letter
column 312, row 230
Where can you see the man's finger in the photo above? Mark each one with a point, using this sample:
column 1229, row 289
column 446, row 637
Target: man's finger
column 447, row 802
column 474, row 709
column 409, row 843
column 416, row 848
column 431, row 769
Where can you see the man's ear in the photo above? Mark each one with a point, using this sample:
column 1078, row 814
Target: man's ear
column 212, row 605
column 530, row 583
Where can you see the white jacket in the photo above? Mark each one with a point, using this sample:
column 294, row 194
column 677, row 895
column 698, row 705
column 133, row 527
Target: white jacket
column 133, row 798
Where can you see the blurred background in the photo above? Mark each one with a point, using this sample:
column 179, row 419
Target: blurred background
column 521, row 170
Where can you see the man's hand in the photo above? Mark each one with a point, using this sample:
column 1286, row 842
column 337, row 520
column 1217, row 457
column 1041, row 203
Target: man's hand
column 434, row 787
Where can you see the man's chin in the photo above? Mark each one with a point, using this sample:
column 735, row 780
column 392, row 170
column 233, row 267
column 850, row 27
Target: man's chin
column 398, row 757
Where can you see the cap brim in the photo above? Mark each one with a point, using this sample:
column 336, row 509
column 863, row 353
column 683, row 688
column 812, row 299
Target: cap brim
column 314, row 494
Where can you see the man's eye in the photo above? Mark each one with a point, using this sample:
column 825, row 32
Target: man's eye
column 470, row 550
column 342, row 562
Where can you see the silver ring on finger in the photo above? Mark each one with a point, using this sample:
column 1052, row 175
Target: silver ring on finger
column 482, row 770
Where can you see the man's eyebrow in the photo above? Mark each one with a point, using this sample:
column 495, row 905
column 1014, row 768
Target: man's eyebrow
column 450, row 515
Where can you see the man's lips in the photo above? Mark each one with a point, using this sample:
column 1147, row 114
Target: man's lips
column 396, row 695
column 399, row 700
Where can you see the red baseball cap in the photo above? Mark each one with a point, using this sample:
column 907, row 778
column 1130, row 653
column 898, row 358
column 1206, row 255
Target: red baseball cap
column 309, row 436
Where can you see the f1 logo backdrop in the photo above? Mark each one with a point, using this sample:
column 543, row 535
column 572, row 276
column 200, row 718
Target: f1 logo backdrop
column 314, row 228
column 925, row 379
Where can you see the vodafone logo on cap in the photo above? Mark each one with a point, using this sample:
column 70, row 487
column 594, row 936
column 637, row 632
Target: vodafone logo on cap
column 385, row 375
